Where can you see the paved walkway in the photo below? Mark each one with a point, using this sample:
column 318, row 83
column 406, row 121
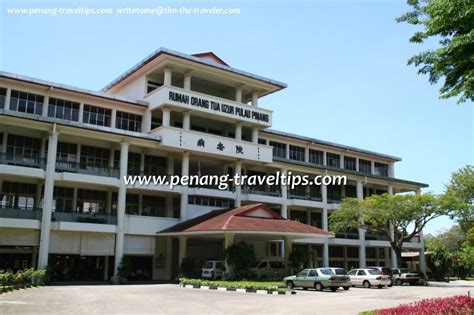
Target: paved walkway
column 171, row 299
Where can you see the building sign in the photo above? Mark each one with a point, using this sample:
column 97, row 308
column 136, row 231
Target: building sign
column 239, row 112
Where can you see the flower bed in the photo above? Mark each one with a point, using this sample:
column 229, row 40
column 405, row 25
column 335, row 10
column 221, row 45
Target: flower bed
column 460, row 304
column 21, row 279
column 248, row 285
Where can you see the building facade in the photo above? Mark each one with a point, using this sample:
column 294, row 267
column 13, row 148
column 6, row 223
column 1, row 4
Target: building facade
column 65, row 150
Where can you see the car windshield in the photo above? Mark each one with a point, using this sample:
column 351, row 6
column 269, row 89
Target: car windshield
column 339, row 271
column 327, row 272
column 374, row 272
column 404, row 270
column 207, row 265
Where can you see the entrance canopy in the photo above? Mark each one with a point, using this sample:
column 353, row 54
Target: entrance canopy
column 249, row 220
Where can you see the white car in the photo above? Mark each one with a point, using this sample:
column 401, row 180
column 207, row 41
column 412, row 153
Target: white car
column 213, row 269
column 368, row 277
column 404, row 275
column 268, row 269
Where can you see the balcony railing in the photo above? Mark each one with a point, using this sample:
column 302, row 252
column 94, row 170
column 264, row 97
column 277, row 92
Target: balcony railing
column 22, row 160
column 348, row 235
column 304, row 196
column 11, row 213
column 98, row 218
column 74, row 167
column 273, row 191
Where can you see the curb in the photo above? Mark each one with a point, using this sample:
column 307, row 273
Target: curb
column 266, row 292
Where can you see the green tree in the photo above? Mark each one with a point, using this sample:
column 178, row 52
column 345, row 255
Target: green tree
column 439, row 260
column 461, row 186
column 298, row 259
column 452, row 24
column 407, row 214
column 240, row 256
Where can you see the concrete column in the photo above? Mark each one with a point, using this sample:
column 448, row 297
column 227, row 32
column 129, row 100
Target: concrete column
column 238, row 132
column 421, row 250
column 146, row 121
column 287, row 149
column 341, row 161
column 254, row 98
column 357, row 164
column 182, row 248
column 74, row 200
column 44, row 111
column 288, row 249
column 113, row 119
column 106, row 268
column 228, row 241
column 170, row 165
column 362, row 256
column 372, row 167
column 166, row 117
column 255, row 135
column 7, row 99
column 238, row 188
column 5, row 142
column 108, row 208
column 325, row 159
column 81, row 112
column 187, row 120
column 324, row 194
column 184, row 189
column 326, row 253
column 48, row 200
column 187, row 81
column 119, row 240
column 167, row 77
column 284, row 196
column 306, row 154
column 39, row 190
column 78, row 156
column 238, row 95
column 142, row 163
column 391, row 169
column 43, row 148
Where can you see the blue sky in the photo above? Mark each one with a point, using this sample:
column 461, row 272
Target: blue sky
column 344, row 63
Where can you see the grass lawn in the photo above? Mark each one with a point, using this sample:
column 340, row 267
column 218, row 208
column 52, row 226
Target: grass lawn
column 456, row 278
column 252, row 285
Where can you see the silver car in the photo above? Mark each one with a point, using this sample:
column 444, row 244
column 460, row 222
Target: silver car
column 368, row 277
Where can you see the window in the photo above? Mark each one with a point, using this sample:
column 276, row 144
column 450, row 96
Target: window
column 365, row 166
column 25, row 147
column 155, row 122
column 26, row 102
column 334, row 193
column 154, row 165
column 316, row 157
column 128, row 121
column 316, row 219
column 210, row 201
column 303, row 273
column 336, row 251
column 97, row 116
column 350, row 163
column 154, row 206
column 94, row 157
column 352, row 273
column 63, row 199
column 63, row 109
column 374, row 272
column 333, row 160
column 298, row 216
column 91, row 201
column 3, row 95
column 17, row 196
column 279, row 149
column 361, row 273
column 152, row 85
column 262, row 141
column 67, row 152
column 275, row 249
column 381, row 169
column 312, row 273
column 326, row 271
column 350, row 191
column 133, row 167
column 296, row 153
column 131, row 204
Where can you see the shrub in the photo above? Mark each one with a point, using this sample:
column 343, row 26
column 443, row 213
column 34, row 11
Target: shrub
column 298, row 259
column 251, row 285
column 461, row 304
column 188, row 266
column 125, row 268
column 241, row 256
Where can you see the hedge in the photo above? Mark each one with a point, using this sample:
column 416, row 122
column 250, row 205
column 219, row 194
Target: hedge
column 251, row 285
column 21, row 279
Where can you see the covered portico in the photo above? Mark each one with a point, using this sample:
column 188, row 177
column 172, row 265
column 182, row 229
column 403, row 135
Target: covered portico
column 255, row 224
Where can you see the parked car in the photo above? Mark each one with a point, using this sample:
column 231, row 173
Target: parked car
column 368, row 277
column 213, row 269
column 404, row 275
column 319, row 279
column 268, row 269
column 384, row 271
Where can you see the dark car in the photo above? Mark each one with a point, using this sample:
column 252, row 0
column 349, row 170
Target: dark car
column 386, row 272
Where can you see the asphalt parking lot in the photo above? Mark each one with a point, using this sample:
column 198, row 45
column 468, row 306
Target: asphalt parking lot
column 172, row 299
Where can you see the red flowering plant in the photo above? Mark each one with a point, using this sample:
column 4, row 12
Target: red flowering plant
column 459, row 304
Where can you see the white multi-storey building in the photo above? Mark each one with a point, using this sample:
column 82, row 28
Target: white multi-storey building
column 65, row 150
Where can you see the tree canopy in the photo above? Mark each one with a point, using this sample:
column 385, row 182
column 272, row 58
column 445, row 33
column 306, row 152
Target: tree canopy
column 452, row 24
column 461, row 186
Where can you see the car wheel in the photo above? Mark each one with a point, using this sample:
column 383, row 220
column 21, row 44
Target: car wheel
column 398, row 282
column 380, row 286
column 318, row 286
column 366, row 284
column 346, row 288
column 290, row 285
column 333, row 289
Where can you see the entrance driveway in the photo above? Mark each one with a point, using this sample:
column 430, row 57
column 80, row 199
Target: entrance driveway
column 171, row 299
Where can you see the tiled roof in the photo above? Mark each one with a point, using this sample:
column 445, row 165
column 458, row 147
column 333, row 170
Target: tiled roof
column 237, row 219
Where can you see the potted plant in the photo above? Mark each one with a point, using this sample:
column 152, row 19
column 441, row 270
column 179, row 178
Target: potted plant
column 123, row 271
